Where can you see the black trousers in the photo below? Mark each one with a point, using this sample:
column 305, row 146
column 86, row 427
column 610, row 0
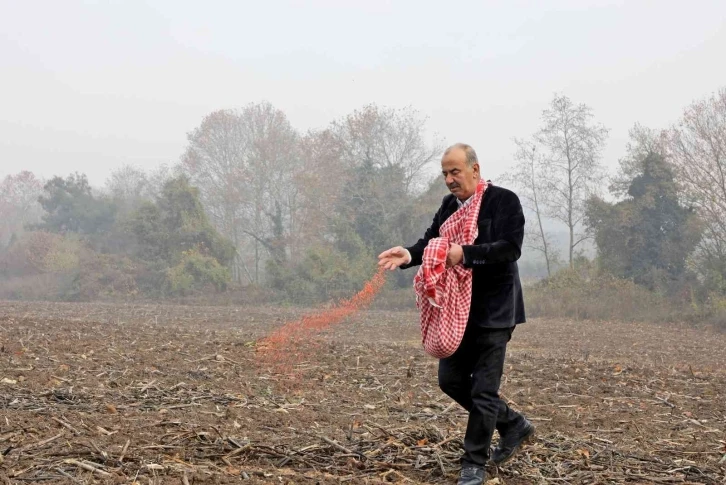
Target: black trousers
column 471, row 376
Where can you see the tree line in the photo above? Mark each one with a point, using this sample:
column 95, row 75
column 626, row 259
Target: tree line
column 255, row 203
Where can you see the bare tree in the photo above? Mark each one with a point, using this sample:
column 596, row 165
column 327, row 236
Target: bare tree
column 320, row 180
column 261, row 182
column 528, row 175
column 391, row 139
column 272, row 163
column 697, row 147
column 215, row 161
column 385, row 153
column 244, row 162
column 573, row 145
column 128, row 185
column 19, row 203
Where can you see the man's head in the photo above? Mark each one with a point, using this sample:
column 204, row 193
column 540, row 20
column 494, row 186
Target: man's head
column 460, row 169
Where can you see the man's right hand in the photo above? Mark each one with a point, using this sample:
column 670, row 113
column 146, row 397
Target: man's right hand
column 394, row 257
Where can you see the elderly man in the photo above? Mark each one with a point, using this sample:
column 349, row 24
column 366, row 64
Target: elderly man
column 472, row 374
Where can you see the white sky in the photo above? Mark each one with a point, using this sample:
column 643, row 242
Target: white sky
column 89, row 86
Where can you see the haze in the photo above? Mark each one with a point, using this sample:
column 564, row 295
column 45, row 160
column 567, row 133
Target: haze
column 90, row 87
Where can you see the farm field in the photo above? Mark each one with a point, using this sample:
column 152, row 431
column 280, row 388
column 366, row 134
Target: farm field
column 155, row 394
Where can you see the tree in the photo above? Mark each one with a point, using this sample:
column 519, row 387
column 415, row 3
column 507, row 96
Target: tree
column 573, row 145
column 320, row 158
column 19, row 204
column 215, row 161
column 176, row 222
column 649, row 235
column 643, row 141
column 386, row 155
column 245, row 162
column 129, row 186
column 697, row 146
column 529, row 176
column 71, row 206
column 175, row 237
column 388, row 139
column 356, row 185
column 272, row 165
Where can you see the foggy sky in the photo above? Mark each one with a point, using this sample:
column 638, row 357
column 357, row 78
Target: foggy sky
column 88, row 88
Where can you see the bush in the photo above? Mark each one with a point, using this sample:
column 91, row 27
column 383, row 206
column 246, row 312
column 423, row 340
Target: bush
column 571, row 294
column 47, row 266
column 40, row 252
column 324, row 274
column 196, row 272
column 104, row 277
column 35, row 287
column 586, row 294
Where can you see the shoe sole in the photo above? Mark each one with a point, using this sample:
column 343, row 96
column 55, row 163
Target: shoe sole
column 529, row 438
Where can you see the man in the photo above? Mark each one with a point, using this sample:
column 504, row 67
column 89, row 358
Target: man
column 471, row 376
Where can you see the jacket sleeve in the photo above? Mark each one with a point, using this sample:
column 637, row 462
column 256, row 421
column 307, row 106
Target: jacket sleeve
column 508, row 225
column 417, row 249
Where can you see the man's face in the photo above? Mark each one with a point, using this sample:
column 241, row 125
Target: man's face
column 461, row 179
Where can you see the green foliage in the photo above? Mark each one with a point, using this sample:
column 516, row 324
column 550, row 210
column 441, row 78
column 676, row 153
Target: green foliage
column 323, row 274
column 649, row 236
column 70, row 206
column 587, row 293
column 182, row 250
column 370, row 209
column 176, row 223
column 195, row 272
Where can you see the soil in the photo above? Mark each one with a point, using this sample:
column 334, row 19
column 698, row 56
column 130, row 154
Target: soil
column 110, row 393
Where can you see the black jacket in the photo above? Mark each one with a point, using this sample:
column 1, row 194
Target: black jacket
column 496, row 299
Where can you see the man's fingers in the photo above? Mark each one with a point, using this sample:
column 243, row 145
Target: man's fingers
column 388, row 253
column 390, row 264
column 391, row 258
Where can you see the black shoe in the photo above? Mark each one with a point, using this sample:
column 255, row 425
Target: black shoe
column 471, row 475
column 511, row 441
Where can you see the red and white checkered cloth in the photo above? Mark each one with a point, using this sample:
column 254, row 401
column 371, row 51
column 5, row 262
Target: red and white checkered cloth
column 443, row 295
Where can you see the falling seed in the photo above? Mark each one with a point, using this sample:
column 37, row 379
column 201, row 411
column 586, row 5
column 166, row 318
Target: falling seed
column 281, row 350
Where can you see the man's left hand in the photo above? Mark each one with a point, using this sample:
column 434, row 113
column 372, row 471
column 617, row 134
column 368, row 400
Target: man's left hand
column 454, row 256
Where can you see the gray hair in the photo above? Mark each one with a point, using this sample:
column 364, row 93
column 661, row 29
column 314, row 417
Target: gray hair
column 471, row 157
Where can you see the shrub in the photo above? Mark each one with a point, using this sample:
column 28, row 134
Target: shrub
column 195, row 272
column 323, row 274
column 585, row 294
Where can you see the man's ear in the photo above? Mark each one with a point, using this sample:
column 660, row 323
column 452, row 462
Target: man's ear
column 476, row 168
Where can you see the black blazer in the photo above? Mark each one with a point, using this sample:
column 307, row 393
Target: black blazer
column 496, row 300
